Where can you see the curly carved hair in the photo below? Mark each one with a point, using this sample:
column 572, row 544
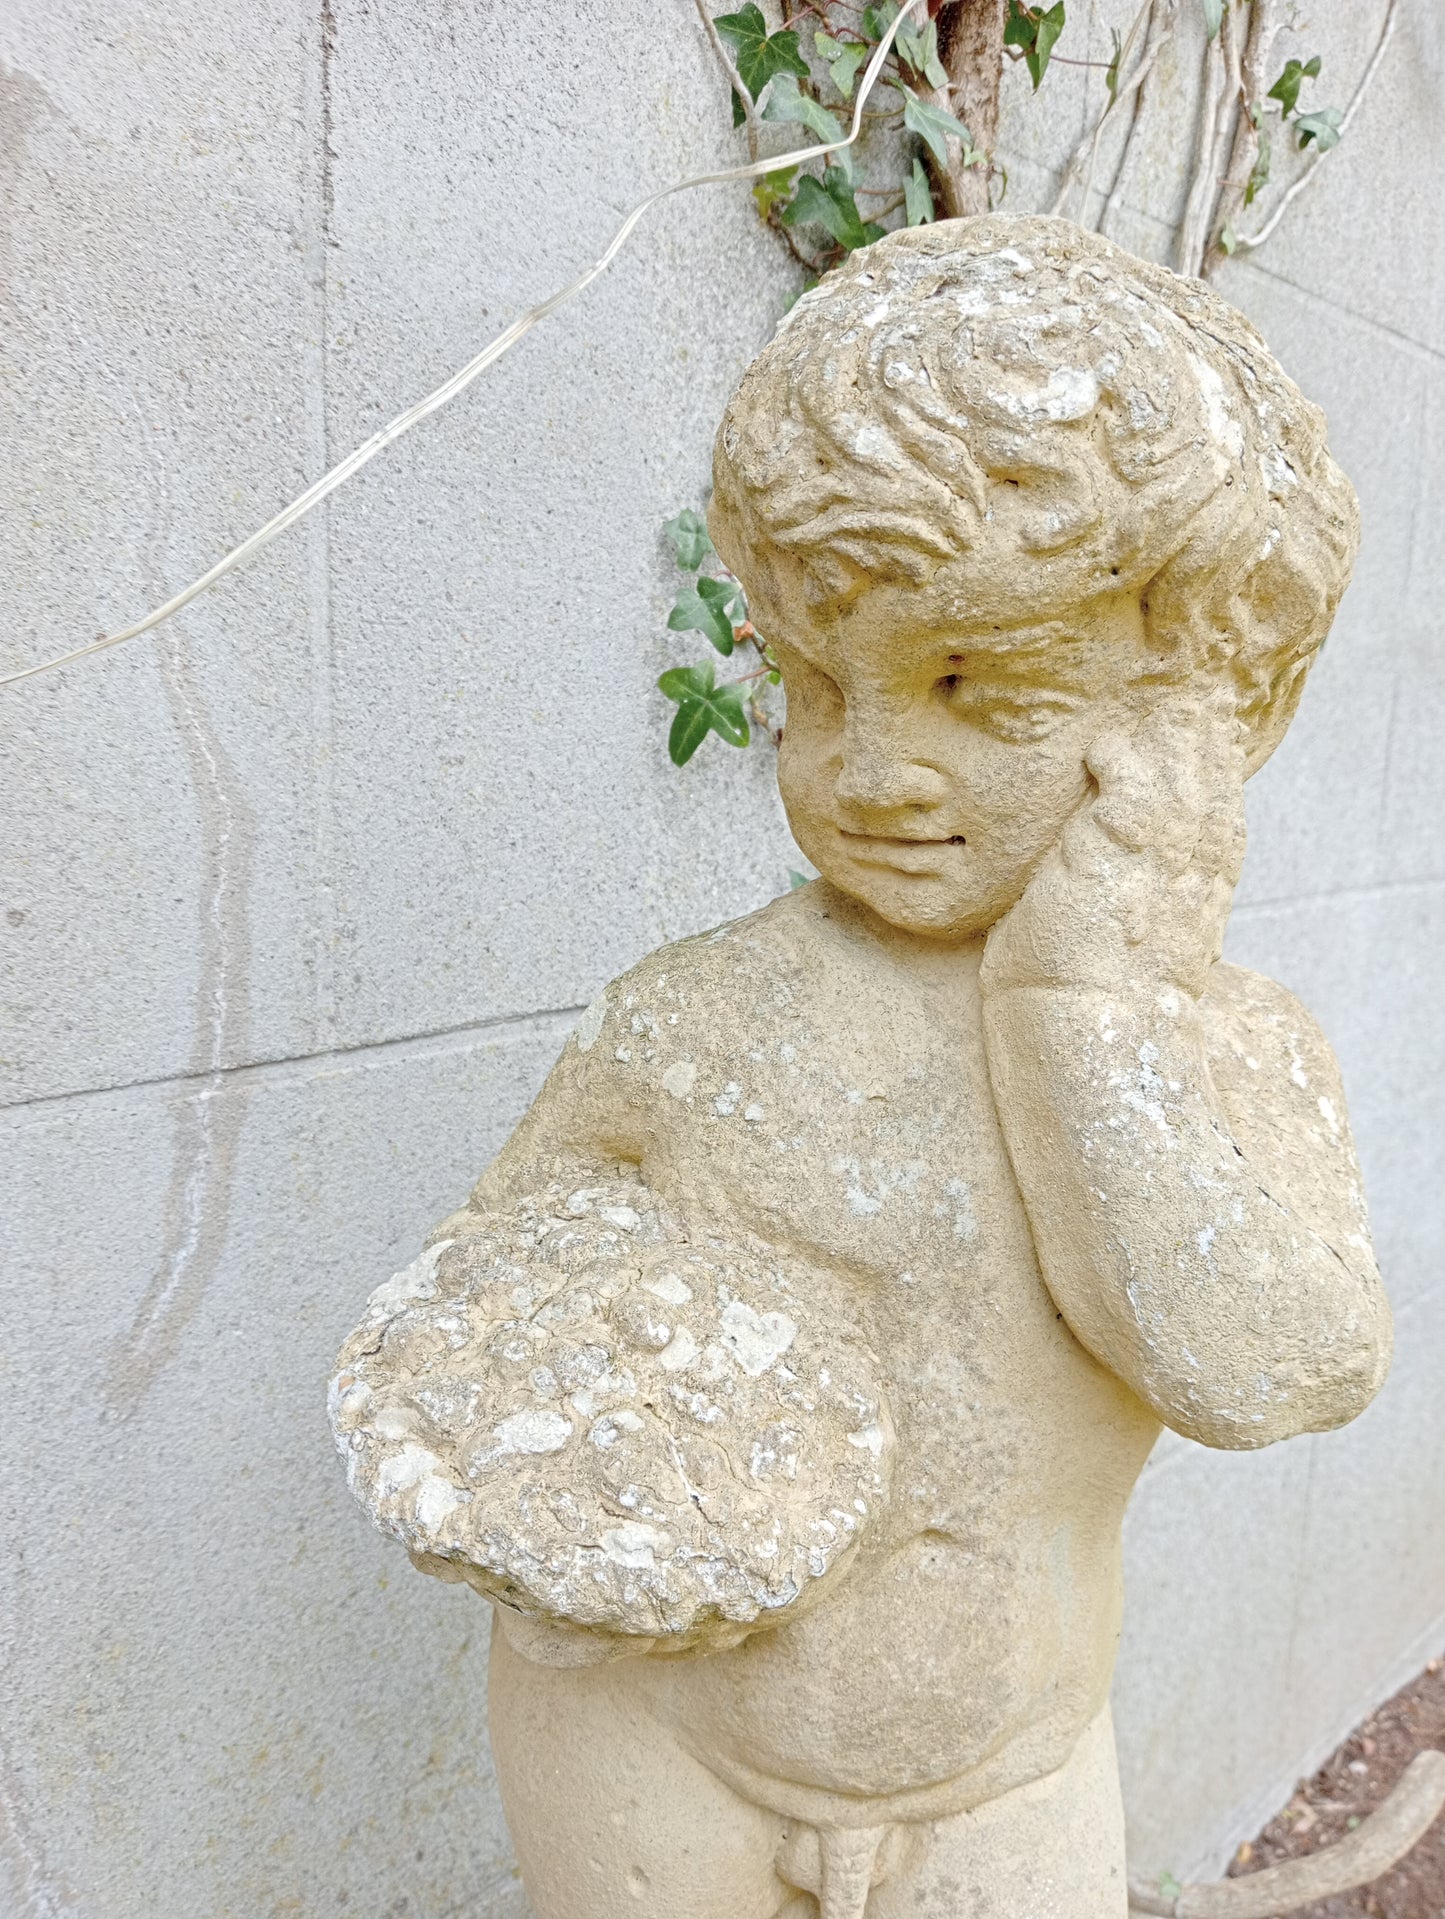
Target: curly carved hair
column 1011, row 405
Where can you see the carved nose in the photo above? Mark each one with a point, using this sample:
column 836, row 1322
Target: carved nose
column 875, row 777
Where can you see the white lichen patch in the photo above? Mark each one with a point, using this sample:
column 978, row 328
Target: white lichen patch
column 1072, row 393
column 589, row 1027
column 755, row 1340
column 597, row 1415
column 679, row 1078
column 417, row 1281
column 532, row 1432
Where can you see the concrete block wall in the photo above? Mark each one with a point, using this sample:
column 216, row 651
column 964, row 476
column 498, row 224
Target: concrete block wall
column 301, row 897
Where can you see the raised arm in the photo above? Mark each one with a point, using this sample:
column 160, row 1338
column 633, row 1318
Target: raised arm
column 1210, row 1250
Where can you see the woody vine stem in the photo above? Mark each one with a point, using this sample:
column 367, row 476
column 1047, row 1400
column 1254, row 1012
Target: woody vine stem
column 941, row 62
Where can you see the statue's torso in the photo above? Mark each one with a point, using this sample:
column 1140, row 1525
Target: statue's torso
column 802, row 1078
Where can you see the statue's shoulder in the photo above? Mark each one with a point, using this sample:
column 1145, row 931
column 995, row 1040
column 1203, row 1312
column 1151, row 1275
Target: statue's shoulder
column 702, row 1012
column 694, row 1007
column 1257, row 1033
column 692, row 1015
column 1238, row 1001
column 779, row 945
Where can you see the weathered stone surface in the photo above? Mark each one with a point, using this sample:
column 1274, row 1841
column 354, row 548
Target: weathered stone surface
column 271, row 1714
column 1045, row 542
column 713, row 1438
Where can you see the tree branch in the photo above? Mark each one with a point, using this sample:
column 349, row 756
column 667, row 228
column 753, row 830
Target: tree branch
column 1189, row 245
column 816, row 268
column 1162, row 23
column 970, row 45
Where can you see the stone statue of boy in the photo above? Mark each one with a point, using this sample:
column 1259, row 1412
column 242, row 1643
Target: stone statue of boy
column 786, row 1378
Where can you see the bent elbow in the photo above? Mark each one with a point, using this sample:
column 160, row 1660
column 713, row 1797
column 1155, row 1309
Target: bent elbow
column 1298, row 1393
column 1346, row 1387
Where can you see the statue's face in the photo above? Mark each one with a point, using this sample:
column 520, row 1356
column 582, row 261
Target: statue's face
column 926, row 773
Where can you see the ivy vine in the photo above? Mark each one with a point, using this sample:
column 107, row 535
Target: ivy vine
column 923, row 161
column 715, row 606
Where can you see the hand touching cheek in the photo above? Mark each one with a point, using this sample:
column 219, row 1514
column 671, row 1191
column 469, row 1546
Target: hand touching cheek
column 1138, row 888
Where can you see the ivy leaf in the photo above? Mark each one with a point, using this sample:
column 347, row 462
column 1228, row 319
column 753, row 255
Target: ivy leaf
column 787, row 101
column 726, row 595
column 1051, row 25
column 917, row 197
column 829, row 203
column 702, row 708
column 1021, row 26
column 690, row 542
column 1035, row 33
column 1169, row 1885
column 1213, row 17
column 878, row 19
column 773, row 188
column 692, row 614
column 740, row 112
column 759, row 54
column 1322, row 125
column 1259, row 172
column 919, row 47
column 933, row 126
column 727, row 717
column 687, row 682
column 1111, row 77
column 707, row 609
column 796, row 879
column 1228, row 239
column 844, row 58
column 1286, row 88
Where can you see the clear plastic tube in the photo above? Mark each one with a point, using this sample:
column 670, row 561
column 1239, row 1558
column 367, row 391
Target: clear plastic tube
column 463, row 378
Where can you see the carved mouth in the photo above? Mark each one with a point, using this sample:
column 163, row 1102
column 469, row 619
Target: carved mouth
column 905, row 839
column 906, row 853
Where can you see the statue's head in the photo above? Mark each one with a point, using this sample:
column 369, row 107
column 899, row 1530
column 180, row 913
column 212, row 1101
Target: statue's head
column 995, row 488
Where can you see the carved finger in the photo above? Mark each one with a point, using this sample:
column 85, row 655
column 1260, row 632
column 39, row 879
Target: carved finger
column 1126, row 801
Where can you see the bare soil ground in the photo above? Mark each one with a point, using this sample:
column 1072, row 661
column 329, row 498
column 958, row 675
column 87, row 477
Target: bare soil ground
column 1350, row 1784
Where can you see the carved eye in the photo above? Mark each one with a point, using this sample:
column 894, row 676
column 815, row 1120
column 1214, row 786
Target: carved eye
column 1020, row 716
column 1017, row 721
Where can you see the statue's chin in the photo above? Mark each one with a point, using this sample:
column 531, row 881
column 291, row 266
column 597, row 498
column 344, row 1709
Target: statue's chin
column 927, row 906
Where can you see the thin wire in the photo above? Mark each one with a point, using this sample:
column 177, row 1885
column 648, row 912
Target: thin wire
column 504, row 342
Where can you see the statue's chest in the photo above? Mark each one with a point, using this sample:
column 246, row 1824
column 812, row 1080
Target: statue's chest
column 860, row 1129
column 844, row 1114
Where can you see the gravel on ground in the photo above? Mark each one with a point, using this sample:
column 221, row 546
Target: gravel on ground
column 1348, row 1787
